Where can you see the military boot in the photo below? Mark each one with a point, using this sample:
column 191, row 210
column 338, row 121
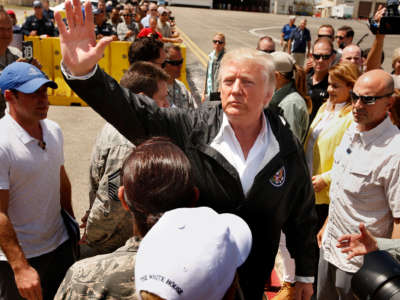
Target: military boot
column 287, row 292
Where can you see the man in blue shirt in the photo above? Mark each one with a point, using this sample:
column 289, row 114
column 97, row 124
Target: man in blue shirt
column 286, row 32
column 299, row 41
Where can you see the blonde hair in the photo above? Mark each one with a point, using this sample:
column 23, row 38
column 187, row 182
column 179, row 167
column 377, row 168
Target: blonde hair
column 345, row 71
column 395, row 56
column 260, row 58
column 221, row 35
column 395, row 109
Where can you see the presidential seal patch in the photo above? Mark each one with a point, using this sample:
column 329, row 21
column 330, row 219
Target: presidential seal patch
column 278, row 179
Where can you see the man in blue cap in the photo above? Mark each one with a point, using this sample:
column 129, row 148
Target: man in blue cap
column 35, row 250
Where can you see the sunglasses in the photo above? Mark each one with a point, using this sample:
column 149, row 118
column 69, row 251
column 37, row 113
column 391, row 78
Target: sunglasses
column 174, row 62
column 324, row 36
column 127, row 15
column 323, row 56
column 367, row 100
column 218, row 42
column 339, row 37
column 267, row 51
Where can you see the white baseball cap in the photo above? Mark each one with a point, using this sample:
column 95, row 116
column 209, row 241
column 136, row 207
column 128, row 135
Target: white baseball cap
column 192, row 254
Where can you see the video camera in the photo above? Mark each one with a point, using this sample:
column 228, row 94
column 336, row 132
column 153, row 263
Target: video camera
column 378, row 278
column 390, row 22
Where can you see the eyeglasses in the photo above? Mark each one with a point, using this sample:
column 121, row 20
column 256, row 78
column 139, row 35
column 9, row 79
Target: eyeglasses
column 324, row 36
column 127, row 15
column 367, row 100
column 153, row 9
column 218, row 42
column 174, row 62
column 339, row 37
column 323, row 56
column 267, row 51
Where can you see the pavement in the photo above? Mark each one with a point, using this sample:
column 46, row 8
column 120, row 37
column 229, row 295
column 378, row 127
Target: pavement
column 81, row 125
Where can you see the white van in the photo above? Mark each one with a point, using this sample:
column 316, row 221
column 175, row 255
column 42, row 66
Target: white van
column 204, row 3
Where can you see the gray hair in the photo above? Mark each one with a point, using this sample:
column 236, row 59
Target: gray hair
column 262, row 59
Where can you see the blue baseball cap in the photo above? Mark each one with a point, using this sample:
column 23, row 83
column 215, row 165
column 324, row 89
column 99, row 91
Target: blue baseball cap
column 23, row 77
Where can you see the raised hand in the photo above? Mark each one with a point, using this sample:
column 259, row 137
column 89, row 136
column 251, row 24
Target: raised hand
column 357, row 244
column 80, row 52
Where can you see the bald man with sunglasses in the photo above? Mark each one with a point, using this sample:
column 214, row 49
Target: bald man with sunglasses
column 365, row 184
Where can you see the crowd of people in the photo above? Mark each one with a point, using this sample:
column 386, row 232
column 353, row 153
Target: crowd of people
column 295, row 150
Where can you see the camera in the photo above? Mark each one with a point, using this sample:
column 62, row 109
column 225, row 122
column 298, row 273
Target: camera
column 378, row 278
column 390, row 22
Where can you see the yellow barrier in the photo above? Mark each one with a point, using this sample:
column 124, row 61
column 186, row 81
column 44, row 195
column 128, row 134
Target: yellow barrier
column 115, row 63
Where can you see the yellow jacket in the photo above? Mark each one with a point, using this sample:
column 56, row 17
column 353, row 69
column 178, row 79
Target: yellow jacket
column 325, row 146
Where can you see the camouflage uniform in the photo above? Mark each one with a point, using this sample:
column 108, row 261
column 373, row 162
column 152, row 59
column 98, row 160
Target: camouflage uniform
column 11, row 55
column 180, row 96
column 109, row 225
column 108, row 277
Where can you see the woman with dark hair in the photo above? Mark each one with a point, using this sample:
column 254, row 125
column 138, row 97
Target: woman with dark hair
column 156, row 177
column 326, row 132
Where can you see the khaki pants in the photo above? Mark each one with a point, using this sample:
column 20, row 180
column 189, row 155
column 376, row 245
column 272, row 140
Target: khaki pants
column 299, row 58
column 284, row 46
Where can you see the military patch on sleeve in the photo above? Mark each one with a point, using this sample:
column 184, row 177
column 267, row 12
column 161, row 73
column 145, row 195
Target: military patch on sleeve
column 278, row 179
column 113, row 185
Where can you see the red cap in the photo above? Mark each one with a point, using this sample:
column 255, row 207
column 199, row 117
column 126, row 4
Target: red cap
column 10, row 12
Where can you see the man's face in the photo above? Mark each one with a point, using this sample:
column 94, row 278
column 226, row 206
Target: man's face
column 303, row 24
column 153, row 9
column 101, row 5
column 266, row 46
column 366, row 116
column 31, row 107
column 159, row 61
column 243, row 90
column 38, row 10
column 164, row 17
column 172, row 66
column 218, row 43
column 99, row 18
column 127, row 16
column 144, row 7
column 342, row 40
column 153, row 24
column 161, row 95
column 352, row 53
column 321, row 64
column 325, row 32
column 6, row 32
column 291, row 21
column 115, row 17
column 45, row 4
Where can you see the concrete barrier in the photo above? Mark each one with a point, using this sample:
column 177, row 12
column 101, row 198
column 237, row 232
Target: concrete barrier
column 115, row 63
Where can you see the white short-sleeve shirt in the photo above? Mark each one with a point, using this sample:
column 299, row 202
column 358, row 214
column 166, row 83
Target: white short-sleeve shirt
column 32, row 177
column 365, row 188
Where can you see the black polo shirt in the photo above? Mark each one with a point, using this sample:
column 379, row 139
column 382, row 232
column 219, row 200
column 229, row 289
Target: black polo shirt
column 42, row 26
column 317, row 92
column 105, row 29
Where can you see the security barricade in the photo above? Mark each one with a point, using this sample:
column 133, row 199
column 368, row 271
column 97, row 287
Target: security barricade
column 114, row 62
